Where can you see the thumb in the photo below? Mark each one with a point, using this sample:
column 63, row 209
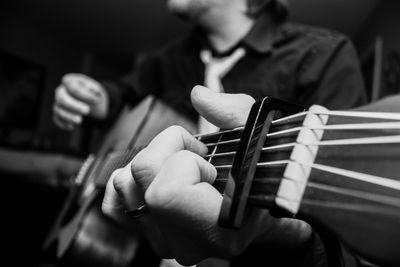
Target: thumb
column 222, row 110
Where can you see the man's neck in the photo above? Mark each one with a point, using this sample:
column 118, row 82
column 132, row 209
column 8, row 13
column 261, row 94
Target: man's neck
column 226, row 31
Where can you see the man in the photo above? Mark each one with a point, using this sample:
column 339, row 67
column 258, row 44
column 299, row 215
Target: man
column 286, row 61
column 237, row 46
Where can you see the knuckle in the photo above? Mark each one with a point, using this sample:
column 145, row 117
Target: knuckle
column 107, row 208
column 58, row 93
column 143, row 166
column 140, row 162
column 70, row 76
column 158, row 197
column 120, row 181
column 67, row 79
column 116, row 178
column 115, row 173
column 55, row 109
column 72, row 90
column 175, row 130
column 182, row 156
column 58, row 112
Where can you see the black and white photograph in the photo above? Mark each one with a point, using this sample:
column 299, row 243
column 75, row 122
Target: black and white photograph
column 200, row 133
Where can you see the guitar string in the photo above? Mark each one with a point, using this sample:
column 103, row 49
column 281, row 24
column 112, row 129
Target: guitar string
column 353, row 141
column 216, row 134
column 359, row 114
column 356, row 175
column 351, row 192
column 364, row 195
column 342, row 205
column 376, row 115
column 391, row 139
column 371, row 196
column 368, row 178
column 355, row 193
column 350, row 206
column 364, row 177
column 379, row 115
column 334, row 127
column 335, row 113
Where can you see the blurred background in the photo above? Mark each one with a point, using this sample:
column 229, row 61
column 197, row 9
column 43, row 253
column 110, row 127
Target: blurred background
column 42, row 40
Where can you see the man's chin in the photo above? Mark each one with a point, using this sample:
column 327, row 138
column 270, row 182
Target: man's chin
column 187, row 12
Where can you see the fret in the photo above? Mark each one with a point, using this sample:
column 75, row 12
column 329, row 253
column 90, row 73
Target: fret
column 233, row 141
column 221, row 151
column 213, row 149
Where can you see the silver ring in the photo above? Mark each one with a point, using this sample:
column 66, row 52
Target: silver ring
column 137, row 213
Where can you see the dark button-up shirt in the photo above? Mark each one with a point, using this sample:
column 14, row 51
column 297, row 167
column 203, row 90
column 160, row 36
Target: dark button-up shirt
column 292, row 62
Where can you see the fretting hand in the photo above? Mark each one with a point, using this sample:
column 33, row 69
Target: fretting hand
column 183, row 206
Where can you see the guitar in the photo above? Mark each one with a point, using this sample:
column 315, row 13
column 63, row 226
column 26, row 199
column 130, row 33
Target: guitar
column 304, row 164
column 337, row 170
column 81, row 235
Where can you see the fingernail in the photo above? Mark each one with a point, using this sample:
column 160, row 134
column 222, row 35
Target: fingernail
column 206, row 90
column 202, row 91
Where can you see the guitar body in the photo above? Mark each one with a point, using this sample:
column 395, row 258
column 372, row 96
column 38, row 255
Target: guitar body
column 81, row 234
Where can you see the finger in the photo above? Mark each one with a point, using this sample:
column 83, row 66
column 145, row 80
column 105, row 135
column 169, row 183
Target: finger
column 66, row 115
column 83, row 87
column 113, row 205
column 65, row 100
column 62, row 124
column 223, row 110
column 148, row 162
column 186, row 168
column 127, row 189
column 181, row 170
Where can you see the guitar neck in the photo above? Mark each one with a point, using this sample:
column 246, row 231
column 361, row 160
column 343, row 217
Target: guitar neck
column 334, row 169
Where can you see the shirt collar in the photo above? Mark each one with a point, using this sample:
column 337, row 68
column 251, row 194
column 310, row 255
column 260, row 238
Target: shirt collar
column 261, row 37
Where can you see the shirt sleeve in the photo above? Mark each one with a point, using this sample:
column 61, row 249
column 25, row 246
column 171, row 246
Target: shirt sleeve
column 132, row 88
column 330, row 75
